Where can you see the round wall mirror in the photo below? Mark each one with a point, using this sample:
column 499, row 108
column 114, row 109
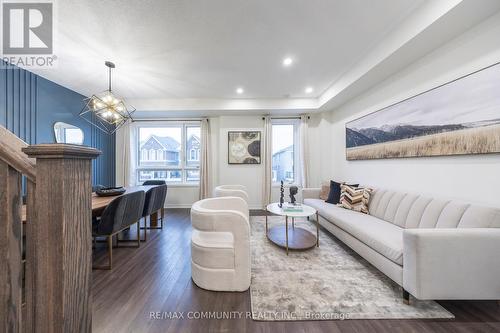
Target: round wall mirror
column 67, row 133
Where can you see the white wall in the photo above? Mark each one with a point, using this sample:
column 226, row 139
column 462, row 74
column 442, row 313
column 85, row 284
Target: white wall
column 248, row 175
column 320, row 144
column 181, row 196
column 474, row 177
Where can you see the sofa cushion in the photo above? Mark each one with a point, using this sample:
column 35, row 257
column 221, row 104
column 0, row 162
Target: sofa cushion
column 355, row 198
column 480, row 217
column 410, row 211
column 383, row 237
column 451, row 214
column 432, row 213
column 404, row 209
column 392, row 207
column 380, row 202
column 334, row 193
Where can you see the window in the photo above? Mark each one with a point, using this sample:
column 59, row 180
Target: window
column 193, row 155
column 172, row 176
column 166, row 153
column 193, row 146
column 285, row 151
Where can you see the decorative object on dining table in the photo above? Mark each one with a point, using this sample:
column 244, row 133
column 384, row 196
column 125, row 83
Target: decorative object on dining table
column 110, row 191
column 293, row 191
column 243, row 147
column 105, row 110
column 282, row 195
column 97, row 187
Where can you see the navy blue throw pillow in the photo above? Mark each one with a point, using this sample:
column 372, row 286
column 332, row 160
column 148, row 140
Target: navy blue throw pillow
column 334, row 195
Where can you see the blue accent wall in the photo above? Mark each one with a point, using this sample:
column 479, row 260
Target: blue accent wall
column 30, row 105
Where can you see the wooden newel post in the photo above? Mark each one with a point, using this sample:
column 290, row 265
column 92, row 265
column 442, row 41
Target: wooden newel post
column 60, row 269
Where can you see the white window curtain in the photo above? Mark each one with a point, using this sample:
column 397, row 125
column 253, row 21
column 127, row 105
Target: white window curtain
column 304, row 150
column 267, row 161
column 125, row 139
column 205, row 160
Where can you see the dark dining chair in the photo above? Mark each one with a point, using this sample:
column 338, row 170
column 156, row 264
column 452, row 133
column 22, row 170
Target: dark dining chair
column 155, row 199
column 154, row 182
column 97, row 187
column 121, row 213
column 161, row 200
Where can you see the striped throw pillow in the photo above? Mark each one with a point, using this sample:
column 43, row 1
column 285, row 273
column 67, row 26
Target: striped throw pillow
column 355, row 198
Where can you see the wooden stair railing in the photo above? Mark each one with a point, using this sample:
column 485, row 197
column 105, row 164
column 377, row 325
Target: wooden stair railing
column 57, row 236
column 13, row 164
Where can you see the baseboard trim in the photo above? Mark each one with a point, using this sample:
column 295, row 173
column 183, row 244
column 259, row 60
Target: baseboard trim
column 178, row 206
column 252, row 207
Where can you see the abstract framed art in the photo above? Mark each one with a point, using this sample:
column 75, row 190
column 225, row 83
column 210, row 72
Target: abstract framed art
column 457, row 118
column 243, row 147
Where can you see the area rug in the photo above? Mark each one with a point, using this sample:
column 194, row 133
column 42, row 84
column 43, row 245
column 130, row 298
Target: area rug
column 326, row 283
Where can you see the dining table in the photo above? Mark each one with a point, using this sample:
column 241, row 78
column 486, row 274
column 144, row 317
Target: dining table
column 99, row 203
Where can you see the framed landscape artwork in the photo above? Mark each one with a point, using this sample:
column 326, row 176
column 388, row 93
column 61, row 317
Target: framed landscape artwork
column 457, row 118
column 243, row 147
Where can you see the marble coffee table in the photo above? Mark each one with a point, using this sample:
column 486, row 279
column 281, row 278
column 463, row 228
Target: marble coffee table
column 294, row 238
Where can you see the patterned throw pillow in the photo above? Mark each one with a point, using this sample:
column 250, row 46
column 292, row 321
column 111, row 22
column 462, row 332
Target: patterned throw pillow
column 355, row 198
column 325, row 189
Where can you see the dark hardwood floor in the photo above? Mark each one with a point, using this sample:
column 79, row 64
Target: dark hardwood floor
column 156, row 279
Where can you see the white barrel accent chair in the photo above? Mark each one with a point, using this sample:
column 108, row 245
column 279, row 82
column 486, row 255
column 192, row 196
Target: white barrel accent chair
column 220, row 244
column 231, row 191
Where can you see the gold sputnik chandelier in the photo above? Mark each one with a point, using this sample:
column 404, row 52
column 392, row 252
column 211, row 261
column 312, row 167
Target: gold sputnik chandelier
column 106, row 111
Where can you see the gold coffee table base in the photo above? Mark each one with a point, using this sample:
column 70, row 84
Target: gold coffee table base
column 291, row 238
column 298, row 238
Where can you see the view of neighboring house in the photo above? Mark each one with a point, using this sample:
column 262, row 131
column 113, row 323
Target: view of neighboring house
column 283, row 165
column 160, row 153
column 193, row 151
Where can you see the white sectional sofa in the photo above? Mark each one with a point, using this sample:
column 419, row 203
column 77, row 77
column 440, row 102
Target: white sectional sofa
column 433, row 248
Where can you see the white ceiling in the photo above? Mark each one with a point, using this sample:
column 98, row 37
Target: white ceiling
column 193, row 54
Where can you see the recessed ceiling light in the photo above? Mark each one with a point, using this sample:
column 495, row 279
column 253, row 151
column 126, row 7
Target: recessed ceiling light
column 239, row 91
column 309, row 90
column 287, row 61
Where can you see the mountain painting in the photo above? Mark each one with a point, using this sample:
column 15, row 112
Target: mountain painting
column 457, row 118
